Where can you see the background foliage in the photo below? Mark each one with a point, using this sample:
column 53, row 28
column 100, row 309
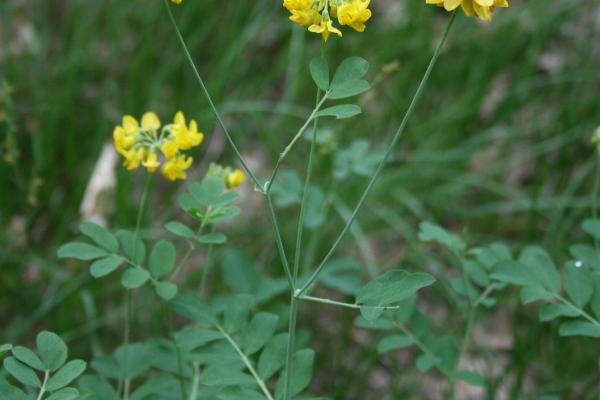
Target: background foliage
column 497, row 150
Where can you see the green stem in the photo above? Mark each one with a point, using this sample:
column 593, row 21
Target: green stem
column 247, row 363
column 297, row 137
column 387, row 155
column 289, row 365
column 129, row 301
column 181, row 376
column 209, row 99
column 43, row 388
column 195, row 383
column 579, row 310
column 279, row 241
column 341, row 304
column 192, row 244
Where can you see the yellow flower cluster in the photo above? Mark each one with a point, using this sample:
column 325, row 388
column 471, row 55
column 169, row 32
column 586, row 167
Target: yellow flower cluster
column 317, row 15
column 232, row 178
column 141, row 144
column 481, row 8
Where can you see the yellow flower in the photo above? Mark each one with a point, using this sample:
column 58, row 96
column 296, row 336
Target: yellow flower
column 325, row 28
column 170, row 148
column 481, row 8
column 316, row 14
column 141, row 144
column 354, row 13
column 134, row 158
column 175, row 168
column 177, row 1
column 151, row 162
column 235, row 179
column 186, row 137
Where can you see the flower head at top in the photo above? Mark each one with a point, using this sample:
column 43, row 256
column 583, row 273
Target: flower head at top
column 319, row 15
column 480, row 8
column 146, row 144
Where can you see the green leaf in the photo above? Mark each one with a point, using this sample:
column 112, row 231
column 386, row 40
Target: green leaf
column 548, row 312
column 236, row 312
column 52, row 350
column 21, row 372
column 272, row 357
column 192, row 307
column 430, row 232
column 261, row 330
column 134, row 249
column 342, row 274
column 471, row 378
column 595, row 304
column 5, row 348
column 351, row 69
column 223, row 375
column 97, row 387
column 287, row 190
column 393, row 342
column 348, row 89
column 238, row 393
column 426, row 361
column 212, row 238
column 179, row 229
column 223, row 214
column 162, row 259
column 100, row 235
column 134, row 277
column 340, row 111
column 105, row 266
column 10, row 392
column 392, row 287
column 208, row 191
column 319, row 71
column 81, row 251
column 302, row 368
column 238, row 271
column 65, row 394
column 579, row 328
column 28, row 357
column 592, row 226
column 531, row 294
column 585, row 254
column 139, row 356
column 371, row 313
column 67, row 374
column 578, row 284
column 166, row 290
column 543, row 270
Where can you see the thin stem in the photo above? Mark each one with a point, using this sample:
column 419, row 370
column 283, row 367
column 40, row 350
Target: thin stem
column 388, row 153
column 43, row 388
column 488, row 290
column 305, row 194
column 195, row 382
column 341, row 304
column 192, row 244
column 279, row 241
column 289, row 147
column 291, row 345
column 579, row 310
column 209, row 99
column 247, row 363
column 129, row 300
column 177, row 354
column 205, row 271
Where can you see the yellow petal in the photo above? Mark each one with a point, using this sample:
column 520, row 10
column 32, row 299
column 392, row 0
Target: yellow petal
column 150, row 121
column 450, row 5
column 179, row 118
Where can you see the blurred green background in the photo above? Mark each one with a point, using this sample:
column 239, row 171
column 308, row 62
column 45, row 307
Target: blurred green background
column 499, row 149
